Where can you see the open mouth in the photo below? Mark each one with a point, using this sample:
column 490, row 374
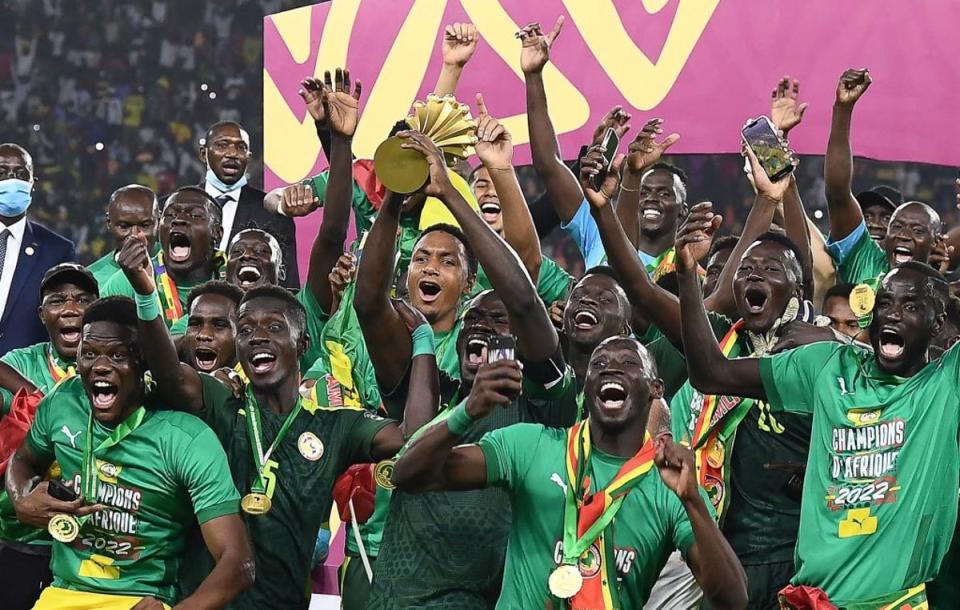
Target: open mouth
column 902, row 254
column 585, row 319
column 756, row 298
column 104, row 394
column 248, row 276
column 180, row 247
column 652, row 215
column 612, row 395
column 206, row 358
column 70, row 334
column 429, row 291
column 474, row 350
column 490, row 210
column 891, row 344
column 263, row 362
column 230, row 168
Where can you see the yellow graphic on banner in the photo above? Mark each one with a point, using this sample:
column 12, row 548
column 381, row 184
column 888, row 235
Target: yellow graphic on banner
column 859, row 522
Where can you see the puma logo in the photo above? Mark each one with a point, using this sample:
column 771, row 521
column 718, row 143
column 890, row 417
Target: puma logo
column 72, row 437
column 556, row 479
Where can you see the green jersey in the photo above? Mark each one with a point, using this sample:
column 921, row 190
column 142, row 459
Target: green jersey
column 169, row 472
column 863, row 260
column 318, row 447
column 651, row 522
column 761, row 518
column 104, row 267
column 445, row 549
column 42, row 366
column 316, row 321
column 880, row 492
column 671, row 363
column 552, row 283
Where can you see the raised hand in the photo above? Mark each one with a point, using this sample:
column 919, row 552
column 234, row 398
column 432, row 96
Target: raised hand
column 232, row 379
column 341, row 275
column 311, row 90
column 940, row 253
column 773, row 191
column 439, row 184
column 556, row 314
column 342, row 106
column 495, row 145
column 644, row 151
column 677, row 467
column 536, row 47
column 496, row 385
column 411, row 316
column 695, row 236
column 616, row 119
column 459, row 43
column 298, row 200
column 134, row 260
column 853, row 83
column 784, row 110
column 590, row 166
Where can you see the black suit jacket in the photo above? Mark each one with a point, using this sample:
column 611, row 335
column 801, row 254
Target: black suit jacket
column 41, row 249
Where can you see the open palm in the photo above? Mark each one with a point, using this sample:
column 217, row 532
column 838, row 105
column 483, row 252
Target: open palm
column 536, row 46
column 342, row 106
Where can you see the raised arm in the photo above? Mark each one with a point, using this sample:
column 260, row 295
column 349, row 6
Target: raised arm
column 642, row 153
column 495, row 150
column 459, row 44
column 845, row 214
column 226, row 539
column 561, row 184
column 342, row 114
column 713, row 562
column 536, row 338
column 388, row 342
column 177, row 383
column 434, row 461
column 709, row 370
column 423, row 395
column 12, row 380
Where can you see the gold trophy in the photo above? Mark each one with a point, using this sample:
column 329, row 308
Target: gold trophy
column 445, row 121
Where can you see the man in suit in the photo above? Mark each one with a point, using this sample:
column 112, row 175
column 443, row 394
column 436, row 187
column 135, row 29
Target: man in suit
column 225, row 153
column 27, row 250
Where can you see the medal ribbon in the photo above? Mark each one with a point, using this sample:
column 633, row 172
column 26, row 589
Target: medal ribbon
column 667, row 263
column 56, row 371
column 587, row 516
column 167, row 290
column 88, row 476
column 255, row 432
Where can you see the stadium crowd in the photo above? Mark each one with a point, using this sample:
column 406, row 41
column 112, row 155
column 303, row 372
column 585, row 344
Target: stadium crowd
column 747, row 405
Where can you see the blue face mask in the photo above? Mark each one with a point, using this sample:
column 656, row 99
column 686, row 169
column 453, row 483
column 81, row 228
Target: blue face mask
column 221, row 186
column 14, row 197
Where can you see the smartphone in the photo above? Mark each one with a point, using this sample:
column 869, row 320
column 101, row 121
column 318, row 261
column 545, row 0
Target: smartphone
column 611, row 142
column 501, row 347
column 60, row 491
column 761, row 136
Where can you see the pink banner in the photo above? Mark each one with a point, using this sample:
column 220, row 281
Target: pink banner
column 704, row 66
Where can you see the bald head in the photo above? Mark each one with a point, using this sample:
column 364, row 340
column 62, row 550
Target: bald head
column 132, row 208
column 15, row 162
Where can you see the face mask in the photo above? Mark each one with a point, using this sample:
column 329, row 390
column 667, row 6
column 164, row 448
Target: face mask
column 221, row 186
column 14, row 197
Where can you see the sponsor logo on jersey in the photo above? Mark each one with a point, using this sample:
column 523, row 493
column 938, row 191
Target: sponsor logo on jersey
column 310, row 446
column 108, row 472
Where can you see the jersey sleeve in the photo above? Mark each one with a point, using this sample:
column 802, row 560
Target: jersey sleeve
column 358, row 428
column 553, row 282
column 179, row 327
column 862, row 258
column 117, row 285
column 216, row 401
column 316, row 321
column 585, row 233
column 362, row 206
column 841, row 248
column 789, row 378
column 507, row 452
column 683, row 537
column 202, row 468
column 39, row 438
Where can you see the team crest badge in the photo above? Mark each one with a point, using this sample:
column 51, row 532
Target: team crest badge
column 310, row 446
column 714, row 489
column 590, row 561
column 108, row 472
column 383, row 473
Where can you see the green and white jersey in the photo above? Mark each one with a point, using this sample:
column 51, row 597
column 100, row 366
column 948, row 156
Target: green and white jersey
column 165, row 475
column 880, row 492
column 553, row 282
column 859, row 258
column 651, row 522
column 300, row 475
column 444, row 549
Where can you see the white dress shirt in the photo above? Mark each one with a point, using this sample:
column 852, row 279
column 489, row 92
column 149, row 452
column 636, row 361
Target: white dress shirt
column 228, row 211
column 14, row 242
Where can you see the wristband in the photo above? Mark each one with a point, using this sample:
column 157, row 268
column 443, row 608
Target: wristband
column 423, row 341
column 147, row 307
column 460, row 421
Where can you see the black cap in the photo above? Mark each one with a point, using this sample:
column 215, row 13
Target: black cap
column 889, row 192
column 72, row 273
column 872, row 197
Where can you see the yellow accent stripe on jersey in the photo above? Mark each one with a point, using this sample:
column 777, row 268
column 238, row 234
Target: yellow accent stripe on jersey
column 55, row 598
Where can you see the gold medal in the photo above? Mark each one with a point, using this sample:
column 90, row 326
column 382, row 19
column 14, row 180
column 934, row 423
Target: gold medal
column 862, row 299
column 715, row 454
column 383, row 473
column 64, row 528
column 256, row 504
column 565, row 582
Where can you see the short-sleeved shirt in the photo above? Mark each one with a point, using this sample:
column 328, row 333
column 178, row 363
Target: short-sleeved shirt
column 762, row 517
column 167, row 474
column 586, row 234
column 300, row 474
column 552, row 283
column 444, row 549
column 858, row 256
column 650, row 525
column 671, row 363
column 880, row 492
